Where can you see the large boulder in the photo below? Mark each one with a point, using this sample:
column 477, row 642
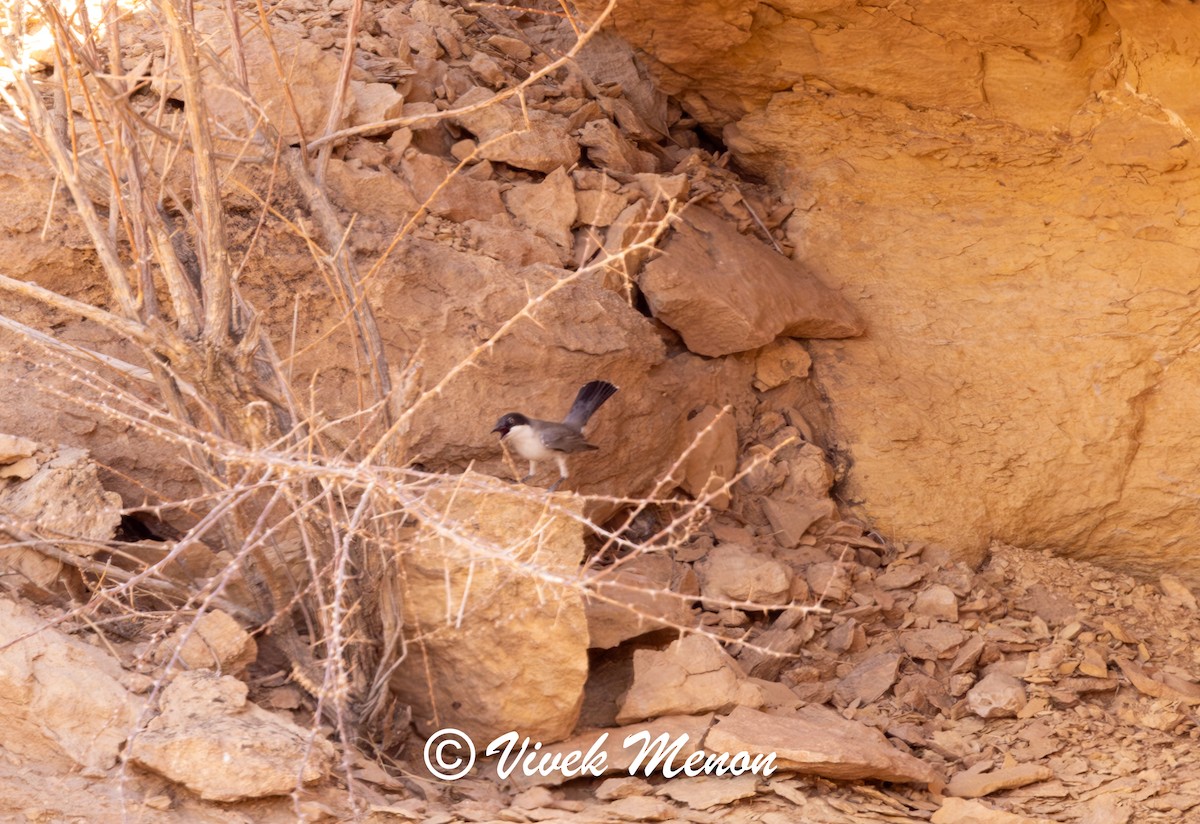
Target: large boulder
column 496, row 635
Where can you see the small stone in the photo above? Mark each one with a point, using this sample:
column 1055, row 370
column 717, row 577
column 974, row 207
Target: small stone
column 487, row 69
column 791, row 519
column 817, row 741
column 868, row 681
column 963, row 811
column 14, row 448
column 704, row 792
column 734, row 573
column 548, row 207
column 937, row 601
column 691, row 676
column 22, row 470
column 533, row 799
column 215, row 641
column 934, row 643
column 829, row 581
column 779, row 362
column 511, row 46
column 1094, row 663
column 223, row 748
column 374, row 103
column 901, row 576
column 997, row 696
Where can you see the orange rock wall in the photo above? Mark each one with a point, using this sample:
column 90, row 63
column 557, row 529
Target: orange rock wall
column 1009, row 194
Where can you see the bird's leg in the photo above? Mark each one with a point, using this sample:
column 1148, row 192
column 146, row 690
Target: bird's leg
column 562, row 472
column 532, row 471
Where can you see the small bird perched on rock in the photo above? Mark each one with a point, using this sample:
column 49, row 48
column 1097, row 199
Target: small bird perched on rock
column 536, row 440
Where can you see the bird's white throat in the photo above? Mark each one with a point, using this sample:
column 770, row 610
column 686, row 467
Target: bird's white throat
column 527, row 444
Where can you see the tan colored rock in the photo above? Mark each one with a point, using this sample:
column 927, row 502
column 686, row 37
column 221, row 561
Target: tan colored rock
column 13, row 448
column 541, row 145
column 734, row 573
column 939, row 641
column 724, row 292
column 215, row 641
column 63, row 700
column 378, row 192
column 611, row 789
column 704, row 792
column 609, row 149
column 829, row 581
column 780, row 361
column 691, row 676
column 209, row 738
column 62, row 499
column 453, row 676
column 937, row 601
column 712, row 460
column 1175, row 590
column 548, row 207
column 458, row 198
column 791, row 519
column 817, row 741
column 599, row 207
column 997, row 696
column 374, row 102
column 21, row 470
column 969, row 784
column 869, row 680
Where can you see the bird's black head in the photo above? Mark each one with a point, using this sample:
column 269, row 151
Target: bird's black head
column 509, row 421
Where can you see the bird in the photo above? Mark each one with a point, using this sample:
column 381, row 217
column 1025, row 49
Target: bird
column 536, row 440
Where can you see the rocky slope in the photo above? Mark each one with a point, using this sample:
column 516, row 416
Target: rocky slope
column 896, row 678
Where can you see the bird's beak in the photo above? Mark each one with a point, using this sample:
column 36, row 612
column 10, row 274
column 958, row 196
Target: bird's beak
column 498, row 428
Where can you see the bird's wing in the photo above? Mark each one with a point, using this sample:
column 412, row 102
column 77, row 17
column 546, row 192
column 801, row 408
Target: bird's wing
column 563, row 438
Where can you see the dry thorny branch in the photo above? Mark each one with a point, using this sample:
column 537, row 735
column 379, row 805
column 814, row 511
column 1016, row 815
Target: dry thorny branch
column 301, row 514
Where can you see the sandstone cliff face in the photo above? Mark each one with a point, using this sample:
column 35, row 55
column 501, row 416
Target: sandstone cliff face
column 1009, row 194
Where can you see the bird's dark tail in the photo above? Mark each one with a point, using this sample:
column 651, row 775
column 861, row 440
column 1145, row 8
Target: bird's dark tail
column 589, row 399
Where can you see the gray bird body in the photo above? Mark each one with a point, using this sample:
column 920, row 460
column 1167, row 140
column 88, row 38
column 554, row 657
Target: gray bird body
column 537, row 440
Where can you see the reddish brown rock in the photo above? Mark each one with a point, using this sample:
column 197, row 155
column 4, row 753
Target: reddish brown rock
column 725, row 292
column 712, row 457
column 542, row 145
column 692, row 676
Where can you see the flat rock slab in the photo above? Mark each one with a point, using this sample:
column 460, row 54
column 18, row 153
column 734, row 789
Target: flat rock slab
column 817, row 741
column 724, row 292
column 967, row 784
